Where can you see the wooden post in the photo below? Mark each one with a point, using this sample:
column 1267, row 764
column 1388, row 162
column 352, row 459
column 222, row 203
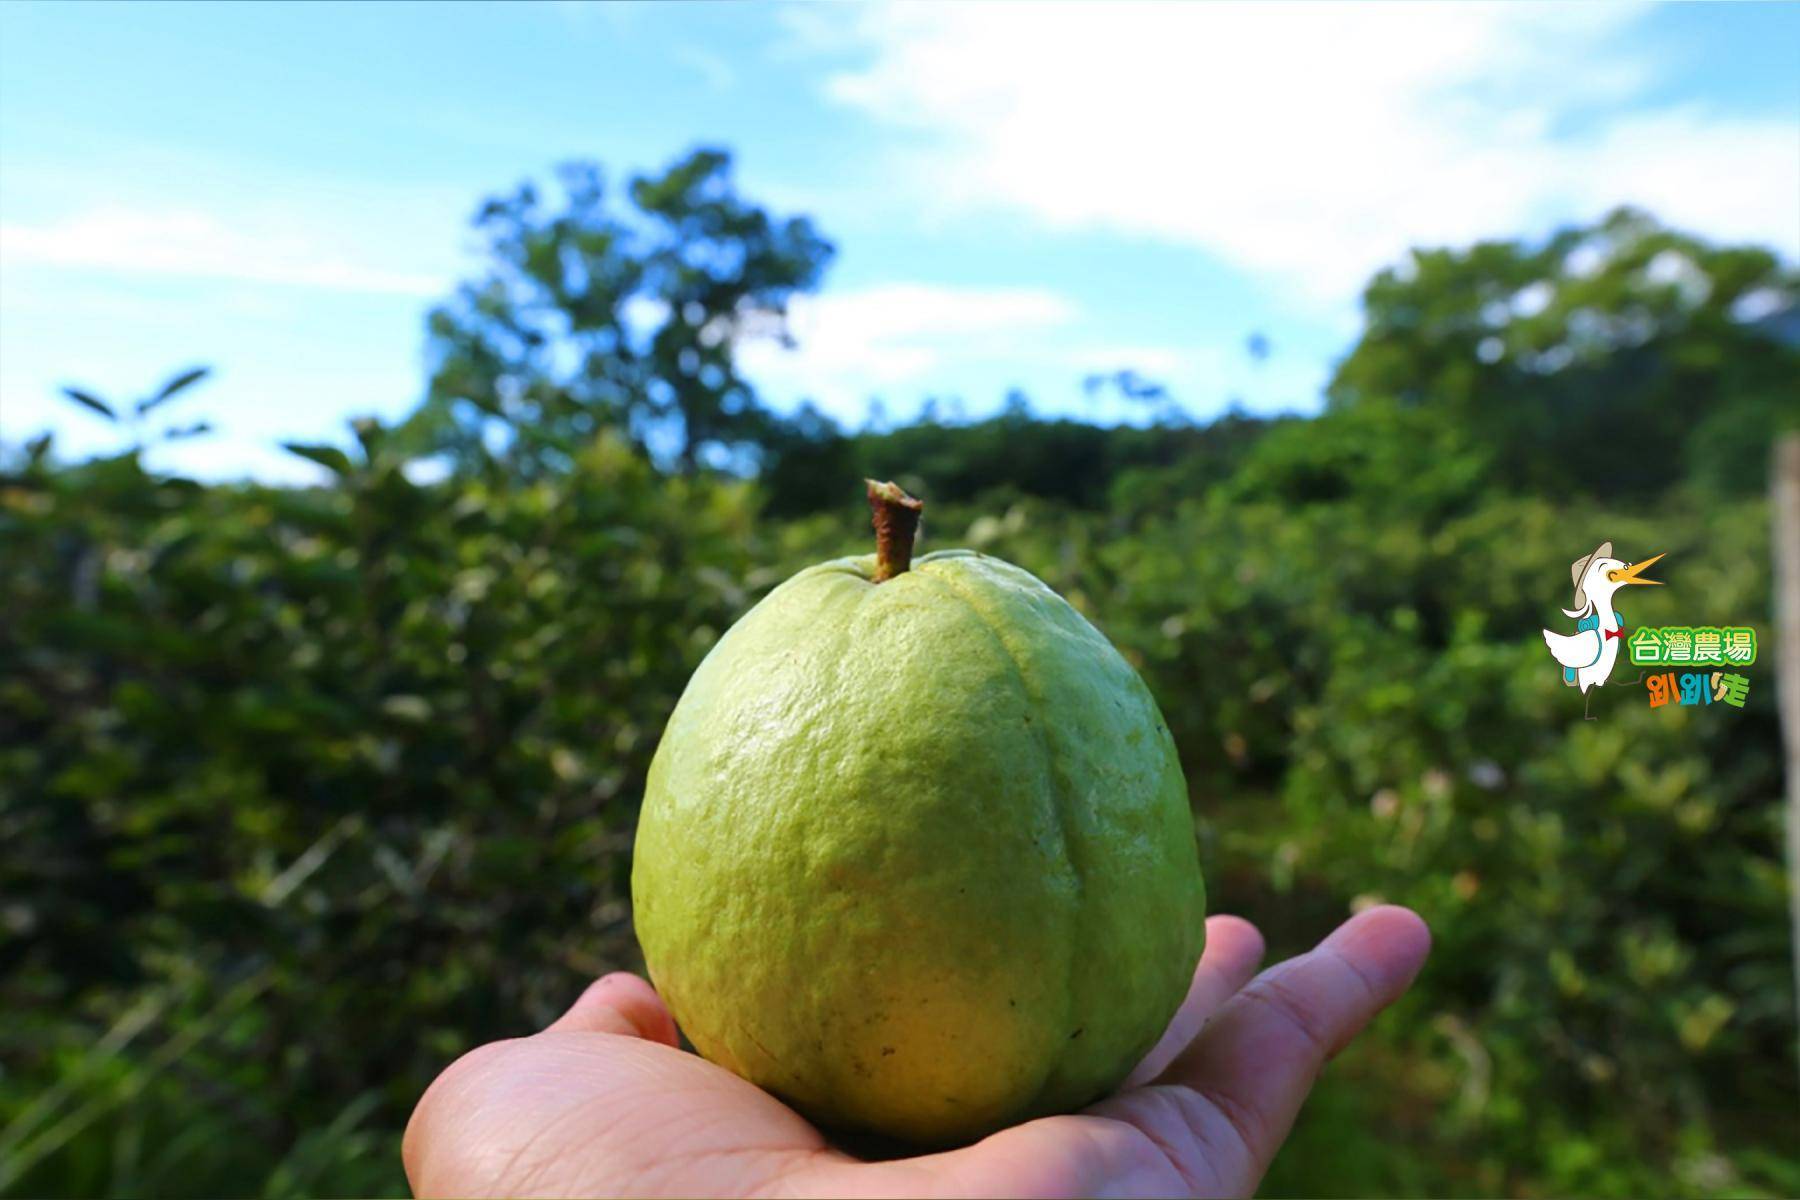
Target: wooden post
column 1785, row 524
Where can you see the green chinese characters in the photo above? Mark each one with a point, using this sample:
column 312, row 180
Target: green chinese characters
column 1703, row 645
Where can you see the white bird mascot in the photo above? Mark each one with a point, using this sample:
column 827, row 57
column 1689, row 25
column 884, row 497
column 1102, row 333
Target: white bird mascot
column 1587, row 656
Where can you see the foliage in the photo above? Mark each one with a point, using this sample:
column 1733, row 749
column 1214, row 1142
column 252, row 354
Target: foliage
column 374, row 744
column 1609, row 361
column 133, row 419
column 1013, row 454
column 306, row 790
column 587, row 320
column 1366, row 713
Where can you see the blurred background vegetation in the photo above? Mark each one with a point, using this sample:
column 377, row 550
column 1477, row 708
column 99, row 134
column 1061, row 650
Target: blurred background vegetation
column 306, row 790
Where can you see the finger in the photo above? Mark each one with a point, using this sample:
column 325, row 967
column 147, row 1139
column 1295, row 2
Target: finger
column 620, row 1003
column 1258, row 1056
column 1234, row 948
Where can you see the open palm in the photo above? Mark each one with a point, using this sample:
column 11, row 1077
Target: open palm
column 603, row 1102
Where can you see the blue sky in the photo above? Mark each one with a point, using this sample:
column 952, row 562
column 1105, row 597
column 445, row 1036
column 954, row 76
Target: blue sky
column 1020, row 195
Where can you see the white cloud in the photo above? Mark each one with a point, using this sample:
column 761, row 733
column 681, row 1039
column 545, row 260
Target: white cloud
column 191, row 243
column 905, row 341
column 1314, row 143
column 855, row 343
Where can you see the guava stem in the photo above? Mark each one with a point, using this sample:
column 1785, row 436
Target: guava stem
column 896, row 525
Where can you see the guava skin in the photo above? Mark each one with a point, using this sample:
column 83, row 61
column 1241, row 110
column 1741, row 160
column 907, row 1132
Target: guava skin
column 917, row 856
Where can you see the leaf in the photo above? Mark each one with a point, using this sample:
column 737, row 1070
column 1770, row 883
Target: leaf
column 329, row 457
column 180, row 382
column 369, row 435
column 91, row 401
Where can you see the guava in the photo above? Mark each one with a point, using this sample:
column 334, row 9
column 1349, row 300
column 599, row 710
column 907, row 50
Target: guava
column 916, row 853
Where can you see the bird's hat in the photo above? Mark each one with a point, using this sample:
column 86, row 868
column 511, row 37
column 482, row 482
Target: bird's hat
column 1579, row 569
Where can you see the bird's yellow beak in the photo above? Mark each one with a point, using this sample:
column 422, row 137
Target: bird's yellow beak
column 1630, row 574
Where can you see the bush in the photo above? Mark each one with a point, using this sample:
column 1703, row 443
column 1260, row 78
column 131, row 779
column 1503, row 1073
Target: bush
column 313, row 788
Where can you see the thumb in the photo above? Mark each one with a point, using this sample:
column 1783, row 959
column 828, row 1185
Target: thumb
column 620, row 1003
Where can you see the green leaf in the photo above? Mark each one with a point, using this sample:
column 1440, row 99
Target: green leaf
column 369, row 435
column 179, row 383
column 329, row 457
column 90, row 401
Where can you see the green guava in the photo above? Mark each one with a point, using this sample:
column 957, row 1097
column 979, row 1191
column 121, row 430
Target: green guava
column 916, row 854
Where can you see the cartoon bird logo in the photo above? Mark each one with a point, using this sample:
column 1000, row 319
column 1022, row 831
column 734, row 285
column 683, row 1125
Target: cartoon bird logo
column 1587, row 656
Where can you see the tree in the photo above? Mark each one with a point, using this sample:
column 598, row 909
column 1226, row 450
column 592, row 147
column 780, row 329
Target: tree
column 1610, row 360
column 588, row 319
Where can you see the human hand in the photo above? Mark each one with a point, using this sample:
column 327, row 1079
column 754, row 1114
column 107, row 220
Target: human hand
column 604, row 1103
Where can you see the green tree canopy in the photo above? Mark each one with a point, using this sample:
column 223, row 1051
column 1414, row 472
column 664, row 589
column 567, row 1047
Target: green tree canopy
column 588, row 319
column 1609, row 360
